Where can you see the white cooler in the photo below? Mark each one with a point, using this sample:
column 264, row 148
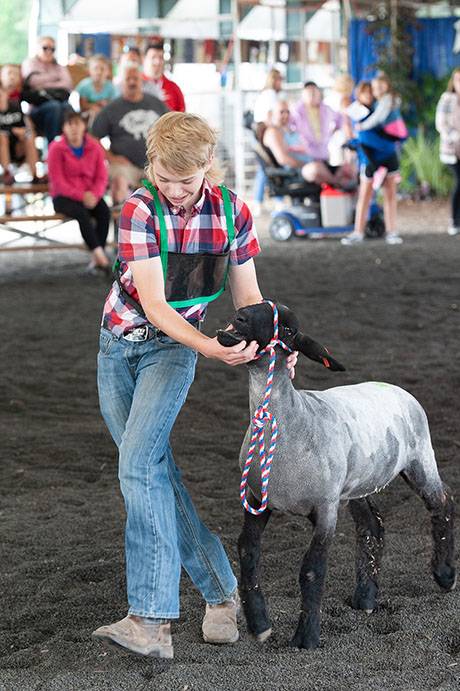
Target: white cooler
column 336, row 207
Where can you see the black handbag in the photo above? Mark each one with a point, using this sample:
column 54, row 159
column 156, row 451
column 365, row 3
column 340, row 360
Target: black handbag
column 38, row 96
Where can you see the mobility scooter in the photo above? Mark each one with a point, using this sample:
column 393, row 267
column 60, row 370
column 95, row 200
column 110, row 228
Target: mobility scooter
column 313, row 209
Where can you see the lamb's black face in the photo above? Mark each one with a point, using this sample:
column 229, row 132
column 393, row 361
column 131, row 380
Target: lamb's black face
column 255, row 323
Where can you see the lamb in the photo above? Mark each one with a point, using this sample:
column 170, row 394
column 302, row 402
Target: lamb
column 342, row 444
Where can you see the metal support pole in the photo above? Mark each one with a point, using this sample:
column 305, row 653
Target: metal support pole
column 345, row 16
column 33, row 28
column 303, row 48
column 394, row 30
column 238, row 103
column 271, row 43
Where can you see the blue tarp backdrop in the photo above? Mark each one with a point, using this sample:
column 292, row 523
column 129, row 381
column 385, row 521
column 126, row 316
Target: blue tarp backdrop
column 436, row 48
column 94, row 43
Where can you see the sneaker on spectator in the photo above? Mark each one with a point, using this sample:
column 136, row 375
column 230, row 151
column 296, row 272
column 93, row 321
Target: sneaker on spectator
column 97, row 270
column 137, row 635
column 220, row 621
column 453, row 230
column 353, row 239
column 393, row 239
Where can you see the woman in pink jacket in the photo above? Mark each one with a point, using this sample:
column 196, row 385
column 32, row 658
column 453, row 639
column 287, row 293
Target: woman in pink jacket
column 78, row 178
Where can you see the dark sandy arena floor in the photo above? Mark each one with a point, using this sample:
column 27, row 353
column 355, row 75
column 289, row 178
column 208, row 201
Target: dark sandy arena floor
column 389, row 313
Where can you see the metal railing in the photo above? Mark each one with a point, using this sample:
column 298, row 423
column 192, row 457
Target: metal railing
column 219, row 109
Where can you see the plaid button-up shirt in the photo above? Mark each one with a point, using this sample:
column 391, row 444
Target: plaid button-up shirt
column 204, row 231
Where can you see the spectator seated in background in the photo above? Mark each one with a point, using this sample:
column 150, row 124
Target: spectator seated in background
column 263, row 105
column 126, row 121
column 155, row 81
column 97, row 90
column 17, row 136
column 11, row 80
column 316, row 122
column 78, row 179
column 47, row 87
column 131, row 55
column 284, row 142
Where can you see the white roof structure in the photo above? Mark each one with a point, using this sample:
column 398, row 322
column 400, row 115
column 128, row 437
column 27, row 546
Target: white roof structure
column 325, row 23
column 265, row 21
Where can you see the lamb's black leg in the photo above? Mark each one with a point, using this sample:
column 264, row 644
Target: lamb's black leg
column 369, row 547
column 439, row 501
column 252, row 598
column 311, row 578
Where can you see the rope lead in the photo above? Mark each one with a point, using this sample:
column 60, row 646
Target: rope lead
column 263, row 417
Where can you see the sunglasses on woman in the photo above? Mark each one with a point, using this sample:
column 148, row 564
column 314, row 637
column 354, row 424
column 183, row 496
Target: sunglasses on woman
column 50, row 49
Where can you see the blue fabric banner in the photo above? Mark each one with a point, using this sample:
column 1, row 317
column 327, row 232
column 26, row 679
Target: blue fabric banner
column 436, row 48
column 90, row 44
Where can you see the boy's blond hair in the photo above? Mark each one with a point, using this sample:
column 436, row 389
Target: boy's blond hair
column 183, row 143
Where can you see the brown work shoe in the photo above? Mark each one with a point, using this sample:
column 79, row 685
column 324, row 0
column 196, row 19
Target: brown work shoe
column 136, row 635
column 219, row 623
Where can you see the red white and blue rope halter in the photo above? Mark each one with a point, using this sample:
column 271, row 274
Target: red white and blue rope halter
column 263, row 417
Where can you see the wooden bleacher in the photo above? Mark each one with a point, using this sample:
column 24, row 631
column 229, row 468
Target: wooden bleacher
column 35, row 208
column 21, row 206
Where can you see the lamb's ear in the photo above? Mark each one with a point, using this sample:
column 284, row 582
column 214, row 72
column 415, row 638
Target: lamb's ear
column 287, row 318
column 288, row 325
column 315, row 351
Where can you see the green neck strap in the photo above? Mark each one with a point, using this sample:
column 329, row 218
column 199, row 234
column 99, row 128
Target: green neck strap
column 163, row 230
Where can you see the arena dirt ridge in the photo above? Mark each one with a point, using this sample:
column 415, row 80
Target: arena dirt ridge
column 388, row 313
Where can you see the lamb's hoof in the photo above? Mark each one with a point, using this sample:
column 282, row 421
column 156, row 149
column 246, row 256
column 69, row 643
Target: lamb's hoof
column 446, row 578
column 307, row 633
column 365, row 597
column 263, row 636
column 366, row 607
column 304, row 643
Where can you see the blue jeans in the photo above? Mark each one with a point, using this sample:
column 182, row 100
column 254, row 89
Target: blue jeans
column 260, row 182
column 48, row 117
column 142, row 387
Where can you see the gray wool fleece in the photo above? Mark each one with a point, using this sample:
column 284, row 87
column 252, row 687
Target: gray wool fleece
column 339, row 444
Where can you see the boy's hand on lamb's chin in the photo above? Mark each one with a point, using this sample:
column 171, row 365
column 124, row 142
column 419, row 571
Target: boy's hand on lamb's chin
column 235, row 355
column 291, row 362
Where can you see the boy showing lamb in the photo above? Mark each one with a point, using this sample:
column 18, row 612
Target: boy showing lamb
column 179, row 236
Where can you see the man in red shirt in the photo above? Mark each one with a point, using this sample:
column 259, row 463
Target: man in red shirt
column 155, row 82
